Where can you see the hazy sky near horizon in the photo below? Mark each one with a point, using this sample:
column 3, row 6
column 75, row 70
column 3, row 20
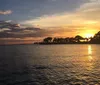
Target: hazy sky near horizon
column 57, row 18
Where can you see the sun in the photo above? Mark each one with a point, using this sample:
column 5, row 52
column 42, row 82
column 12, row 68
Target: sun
column 88, row 35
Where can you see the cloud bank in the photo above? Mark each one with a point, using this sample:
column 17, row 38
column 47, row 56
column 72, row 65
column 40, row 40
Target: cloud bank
column 87, row 13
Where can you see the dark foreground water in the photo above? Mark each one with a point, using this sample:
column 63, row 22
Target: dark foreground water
column 50, row 65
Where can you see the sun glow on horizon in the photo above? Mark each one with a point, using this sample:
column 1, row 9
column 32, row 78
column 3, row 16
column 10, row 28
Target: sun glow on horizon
column 88, row 35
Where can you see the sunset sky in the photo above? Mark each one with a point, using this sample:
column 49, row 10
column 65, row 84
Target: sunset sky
column 26, row 21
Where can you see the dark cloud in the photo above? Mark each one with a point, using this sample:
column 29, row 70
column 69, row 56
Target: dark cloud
column 12, row 30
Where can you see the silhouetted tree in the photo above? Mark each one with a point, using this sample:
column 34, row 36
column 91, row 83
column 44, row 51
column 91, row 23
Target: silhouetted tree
column 47, row 40
column 96, row 38
column 97, row 35
column 78, row 38
column 71, row 40
column 55, row 40
column 67, row 40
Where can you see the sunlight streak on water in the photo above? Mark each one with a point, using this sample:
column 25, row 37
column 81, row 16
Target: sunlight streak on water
column 89, row 50
column 90, row 58
column 90, row 53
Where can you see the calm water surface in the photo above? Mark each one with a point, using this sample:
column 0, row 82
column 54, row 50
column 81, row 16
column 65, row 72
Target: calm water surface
column 50, row 65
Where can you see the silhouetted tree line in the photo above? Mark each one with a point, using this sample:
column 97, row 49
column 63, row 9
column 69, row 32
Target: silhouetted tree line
column 72, row 40
column 96, row 38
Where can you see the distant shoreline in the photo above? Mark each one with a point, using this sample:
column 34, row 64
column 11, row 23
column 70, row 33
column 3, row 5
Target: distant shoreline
column 71, row 40
column 14, row 44
column 52, row 44
column 69, row 44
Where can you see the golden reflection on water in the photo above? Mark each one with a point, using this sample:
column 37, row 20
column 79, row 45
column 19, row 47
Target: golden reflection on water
column 90, row 53
column 89, row 49
column 90, row 58
column 87, row 61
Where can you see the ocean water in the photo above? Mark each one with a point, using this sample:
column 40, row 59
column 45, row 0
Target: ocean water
column 50, row 65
